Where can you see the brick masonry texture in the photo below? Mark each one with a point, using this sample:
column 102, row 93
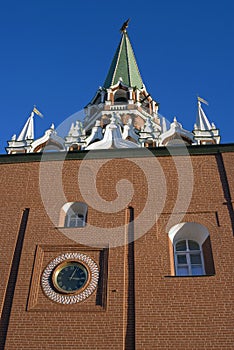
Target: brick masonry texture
column 139, row 303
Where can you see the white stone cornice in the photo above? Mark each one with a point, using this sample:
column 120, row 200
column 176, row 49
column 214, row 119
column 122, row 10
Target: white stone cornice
column 112, row 138
column 176, row 129
column 96, row 134
column 50, row 135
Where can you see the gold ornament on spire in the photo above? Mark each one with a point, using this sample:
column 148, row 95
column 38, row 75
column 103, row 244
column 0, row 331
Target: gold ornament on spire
column 125, row 26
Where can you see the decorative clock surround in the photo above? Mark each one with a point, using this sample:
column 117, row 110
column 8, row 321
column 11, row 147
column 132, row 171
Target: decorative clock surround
column 79, row 295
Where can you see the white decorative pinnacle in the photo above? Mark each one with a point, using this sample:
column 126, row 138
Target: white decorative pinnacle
column 128, row 131
column 150, row 131
column 202, row 122
column 148, row 127
column 163, row 124
column 27, row 132
column 75, row 129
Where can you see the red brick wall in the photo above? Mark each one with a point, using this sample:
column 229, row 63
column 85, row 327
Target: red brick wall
column 138, row 303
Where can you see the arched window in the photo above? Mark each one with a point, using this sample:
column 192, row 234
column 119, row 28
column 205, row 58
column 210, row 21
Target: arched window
column 73, row 214
column 192, row 254
column 188, row 258
column 121, row 96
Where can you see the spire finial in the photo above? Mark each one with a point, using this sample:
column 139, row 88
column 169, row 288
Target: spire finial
column 125, row 26
column 124, row 64
column 199, row 99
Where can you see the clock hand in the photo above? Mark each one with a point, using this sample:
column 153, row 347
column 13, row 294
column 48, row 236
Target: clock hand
column 78, row 278
column 73, row 273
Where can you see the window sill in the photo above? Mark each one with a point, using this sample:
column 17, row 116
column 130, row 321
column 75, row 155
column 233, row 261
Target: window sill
column 68, row 228
column 195, row 276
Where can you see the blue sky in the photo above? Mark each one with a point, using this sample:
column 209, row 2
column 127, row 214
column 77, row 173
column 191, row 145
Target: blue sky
column 56, row 54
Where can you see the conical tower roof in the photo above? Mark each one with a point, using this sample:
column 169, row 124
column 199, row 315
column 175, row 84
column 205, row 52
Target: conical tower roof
column 124, row 66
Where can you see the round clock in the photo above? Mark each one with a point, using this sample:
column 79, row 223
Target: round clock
column 70, row 277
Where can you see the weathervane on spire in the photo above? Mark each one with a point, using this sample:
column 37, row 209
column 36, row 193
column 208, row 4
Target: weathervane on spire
column 199, row 99
column 125, row 26
column 37, row 112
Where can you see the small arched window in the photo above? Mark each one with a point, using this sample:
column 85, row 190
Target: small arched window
column 192, row 253
column 73, row 214
column 188, row 258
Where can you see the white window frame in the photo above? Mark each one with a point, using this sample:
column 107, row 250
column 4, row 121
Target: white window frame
column 193, row 231
column 188, row 254
column 78, row 218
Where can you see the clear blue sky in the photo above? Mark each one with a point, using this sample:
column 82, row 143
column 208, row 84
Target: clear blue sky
column 56, row 54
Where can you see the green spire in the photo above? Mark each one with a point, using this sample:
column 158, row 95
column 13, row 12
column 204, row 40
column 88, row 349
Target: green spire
column 124, row 66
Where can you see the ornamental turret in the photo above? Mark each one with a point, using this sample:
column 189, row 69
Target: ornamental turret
column 22, row 143
column 204, row 131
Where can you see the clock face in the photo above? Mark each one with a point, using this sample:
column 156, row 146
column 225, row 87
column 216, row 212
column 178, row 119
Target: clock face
column 70, row 277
